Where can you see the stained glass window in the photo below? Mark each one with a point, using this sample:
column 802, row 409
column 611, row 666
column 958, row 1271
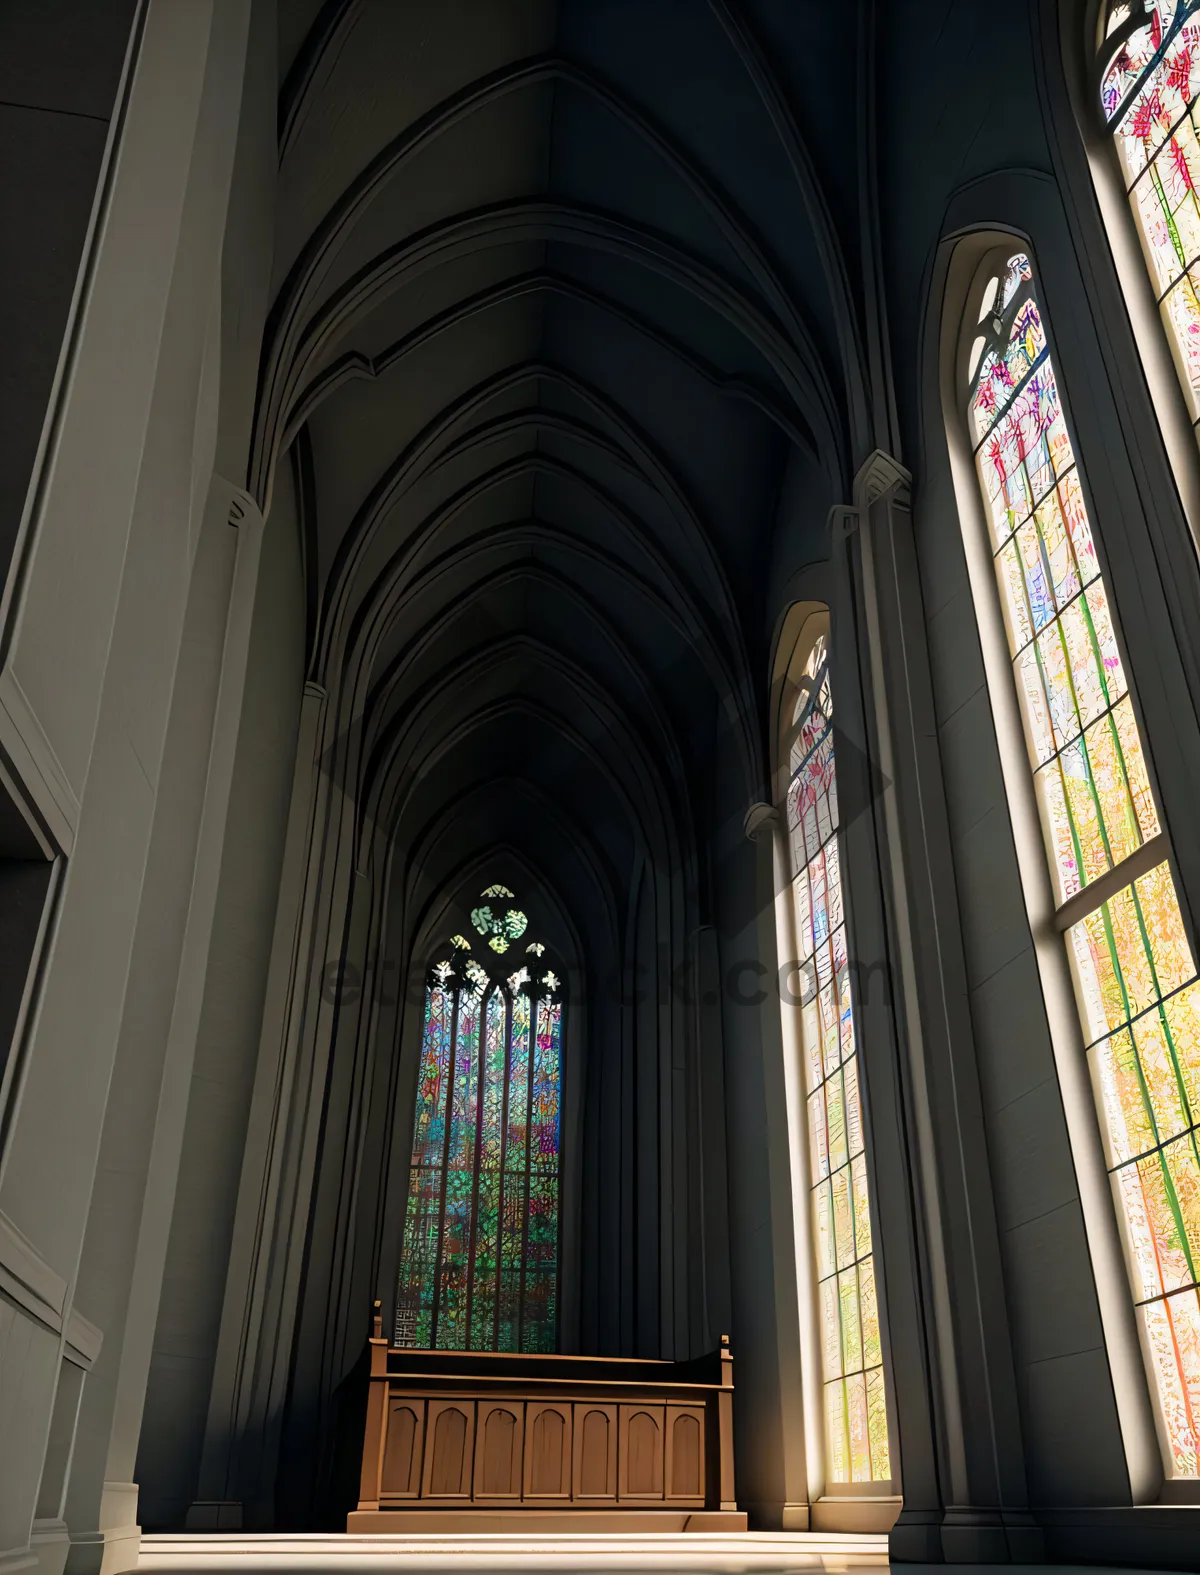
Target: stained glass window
column 479, row 1256
column 1150, row 60
column 855, row 1404
column 1136, row 982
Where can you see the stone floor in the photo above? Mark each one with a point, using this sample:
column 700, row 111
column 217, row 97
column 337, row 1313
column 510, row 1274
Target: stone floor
column 754, row 1553
column 722, row 1554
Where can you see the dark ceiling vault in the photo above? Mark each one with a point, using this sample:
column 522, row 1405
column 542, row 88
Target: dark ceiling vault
column 560, row 306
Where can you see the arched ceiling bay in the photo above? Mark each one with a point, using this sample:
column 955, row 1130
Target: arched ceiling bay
column 561, row 298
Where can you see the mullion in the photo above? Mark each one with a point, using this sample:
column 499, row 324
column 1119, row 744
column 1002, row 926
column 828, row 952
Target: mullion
column 485, row 1007
column 445, row 1170
column 534, row 1010
column 508, row 1039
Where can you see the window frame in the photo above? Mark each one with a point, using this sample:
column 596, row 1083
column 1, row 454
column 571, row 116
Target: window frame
column 804, row 623
column 974, row 258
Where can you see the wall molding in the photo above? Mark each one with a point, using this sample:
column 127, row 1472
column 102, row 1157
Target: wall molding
column 35, row 765
column 29, row 1280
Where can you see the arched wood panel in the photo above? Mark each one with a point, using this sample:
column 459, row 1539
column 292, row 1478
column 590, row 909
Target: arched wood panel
column 548, row 1451
column 595, row 1455
column 640, row 1452
column 448, row 1457
column 498, row 1450
column 401, row 1476
column 685, row 1453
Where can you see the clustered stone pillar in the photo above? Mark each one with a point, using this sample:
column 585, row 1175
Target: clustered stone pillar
column 953, row 1395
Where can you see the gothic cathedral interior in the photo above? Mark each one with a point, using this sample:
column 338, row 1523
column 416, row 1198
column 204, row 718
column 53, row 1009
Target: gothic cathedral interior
column 599, row 759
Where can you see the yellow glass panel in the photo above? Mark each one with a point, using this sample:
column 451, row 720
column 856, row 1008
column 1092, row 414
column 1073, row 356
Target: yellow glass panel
column 862, row 1214
column 881, row 1464
column 1127, row 1107
column 835, row 1117
column 860, row 1445
column 847, row 1287
column 1172, row 1329
column 823, row 1214
column 831, row 1343
column 1058, row 828
column 869, row 1312
column 1083, row 814
column 818, row 1138
column 843, row 1219
column 837, row 1439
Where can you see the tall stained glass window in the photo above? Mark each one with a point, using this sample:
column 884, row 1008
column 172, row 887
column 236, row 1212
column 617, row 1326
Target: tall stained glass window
column 855, row 1407
column 1139, row 1000
column 479, row 1257
column 1150, row 79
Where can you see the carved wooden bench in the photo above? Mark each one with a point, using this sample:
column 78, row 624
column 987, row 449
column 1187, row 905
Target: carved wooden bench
column 478, row 1441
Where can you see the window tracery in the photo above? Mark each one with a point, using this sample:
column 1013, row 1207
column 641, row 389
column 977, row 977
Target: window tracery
column 1135, row 979
column 479, row 1256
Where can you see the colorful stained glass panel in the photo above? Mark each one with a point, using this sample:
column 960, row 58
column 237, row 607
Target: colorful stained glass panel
column 479, row 1255
column 851, row 1353
column 1148, row 90
column 1133, row 966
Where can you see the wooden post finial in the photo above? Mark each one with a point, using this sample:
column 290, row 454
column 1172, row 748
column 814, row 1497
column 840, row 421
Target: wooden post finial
column 377, row 1321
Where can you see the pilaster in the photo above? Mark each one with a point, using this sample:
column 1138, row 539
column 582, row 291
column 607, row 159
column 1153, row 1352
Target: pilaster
column 796, row 1356
column 125, row 1248
column 249, row 1319
column 951, row 1380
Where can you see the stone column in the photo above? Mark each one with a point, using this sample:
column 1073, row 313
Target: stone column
column 132, row 1198
column 265, row 1224
column 954, row 1418
column 90, row 643
column 777, row 1485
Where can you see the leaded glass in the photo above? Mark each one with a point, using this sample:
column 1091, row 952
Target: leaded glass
column 852, row 1358
column 1150, row 61
column 1135, row 978
column 479, row 1255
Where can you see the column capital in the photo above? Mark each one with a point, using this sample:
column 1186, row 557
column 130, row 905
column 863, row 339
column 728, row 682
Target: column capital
column 244, row 512
column 878, row 476
column 760, row 821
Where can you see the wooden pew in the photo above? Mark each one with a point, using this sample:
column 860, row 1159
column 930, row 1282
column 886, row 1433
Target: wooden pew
column 475, row 1441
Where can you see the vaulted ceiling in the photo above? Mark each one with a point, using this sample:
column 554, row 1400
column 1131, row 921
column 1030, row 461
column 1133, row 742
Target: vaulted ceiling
column 563, row 318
